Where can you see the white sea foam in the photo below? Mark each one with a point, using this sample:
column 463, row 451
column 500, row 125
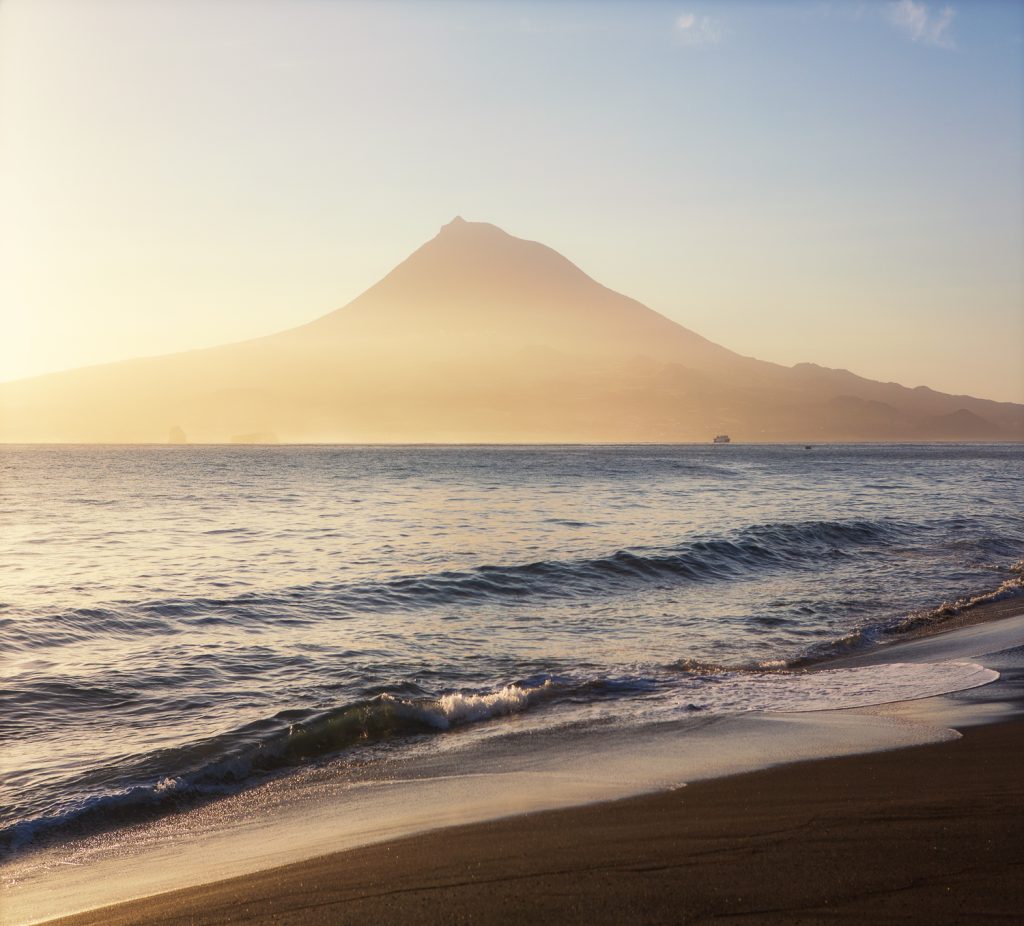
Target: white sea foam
column 460, row 707
column 830, row 689
column 727, row 692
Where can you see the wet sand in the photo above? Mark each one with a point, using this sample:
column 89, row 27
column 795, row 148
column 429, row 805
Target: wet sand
column 929, row 834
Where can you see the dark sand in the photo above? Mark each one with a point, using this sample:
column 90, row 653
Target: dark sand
column 931, row 834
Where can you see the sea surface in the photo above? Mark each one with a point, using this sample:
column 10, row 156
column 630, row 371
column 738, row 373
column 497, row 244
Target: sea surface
column 183, row 623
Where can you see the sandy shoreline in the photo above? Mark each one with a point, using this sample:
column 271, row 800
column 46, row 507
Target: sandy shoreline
column 932, row 833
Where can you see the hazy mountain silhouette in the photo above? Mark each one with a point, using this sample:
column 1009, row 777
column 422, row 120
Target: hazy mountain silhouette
column 480, row 336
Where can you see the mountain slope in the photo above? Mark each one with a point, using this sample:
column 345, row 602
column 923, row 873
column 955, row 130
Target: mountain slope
column 481, row 336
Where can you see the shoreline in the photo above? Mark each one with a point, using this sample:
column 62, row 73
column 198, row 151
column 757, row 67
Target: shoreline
column 890, row 834
column 799, row 774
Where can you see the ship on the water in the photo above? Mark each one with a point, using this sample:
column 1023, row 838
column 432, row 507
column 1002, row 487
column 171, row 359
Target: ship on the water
column 722, row 439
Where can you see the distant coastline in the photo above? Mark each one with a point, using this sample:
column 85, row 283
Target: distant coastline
column 482, row 337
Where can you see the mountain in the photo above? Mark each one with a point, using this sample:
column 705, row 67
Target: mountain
column 481, row 336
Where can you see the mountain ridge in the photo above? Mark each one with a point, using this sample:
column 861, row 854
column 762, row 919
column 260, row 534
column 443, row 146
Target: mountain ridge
column 482, row 336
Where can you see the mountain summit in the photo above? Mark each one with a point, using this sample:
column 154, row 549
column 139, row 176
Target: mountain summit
column 482, row 336
column 474, row 287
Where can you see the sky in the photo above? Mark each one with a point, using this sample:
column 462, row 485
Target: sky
column 841, row 183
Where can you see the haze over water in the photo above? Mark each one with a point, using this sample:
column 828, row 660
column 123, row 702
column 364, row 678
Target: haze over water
column 179, row 621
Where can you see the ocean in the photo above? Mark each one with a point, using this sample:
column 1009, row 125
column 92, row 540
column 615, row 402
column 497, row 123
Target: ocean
column 183, row 624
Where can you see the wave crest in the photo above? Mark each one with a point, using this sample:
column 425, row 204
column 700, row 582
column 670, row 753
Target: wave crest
column 746, row 552
column 1009, row 589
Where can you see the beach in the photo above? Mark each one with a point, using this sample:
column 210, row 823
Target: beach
column 403, row 683
column 929, row 833
column 511, row 463
column 506, row 462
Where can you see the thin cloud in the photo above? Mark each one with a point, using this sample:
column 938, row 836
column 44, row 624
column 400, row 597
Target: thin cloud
column 922, row 25
column 698, row 30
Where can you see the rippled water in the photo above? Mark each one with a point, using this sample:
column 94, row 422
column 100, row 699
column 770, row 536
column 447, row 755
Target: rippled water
column 186, row 619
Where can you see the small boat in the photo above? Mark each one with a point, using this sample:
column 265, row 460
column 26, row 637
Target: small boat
column 721, row 439
column 807, row 446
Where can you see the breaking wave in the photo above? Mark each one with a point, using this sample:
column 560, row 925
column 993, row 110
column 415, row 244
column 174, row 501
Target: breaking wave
column 173, row 778
column 220, row 764
column 1009, row 589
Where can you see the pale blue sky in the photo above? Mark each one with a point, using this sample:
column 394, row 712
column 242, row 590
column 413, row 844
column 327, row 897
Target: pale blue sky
column 835, row 182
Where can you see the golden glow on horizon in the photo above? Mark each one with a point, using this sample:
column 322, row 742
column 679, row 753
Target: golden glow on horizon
column 479, row 337
column 180, row 175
